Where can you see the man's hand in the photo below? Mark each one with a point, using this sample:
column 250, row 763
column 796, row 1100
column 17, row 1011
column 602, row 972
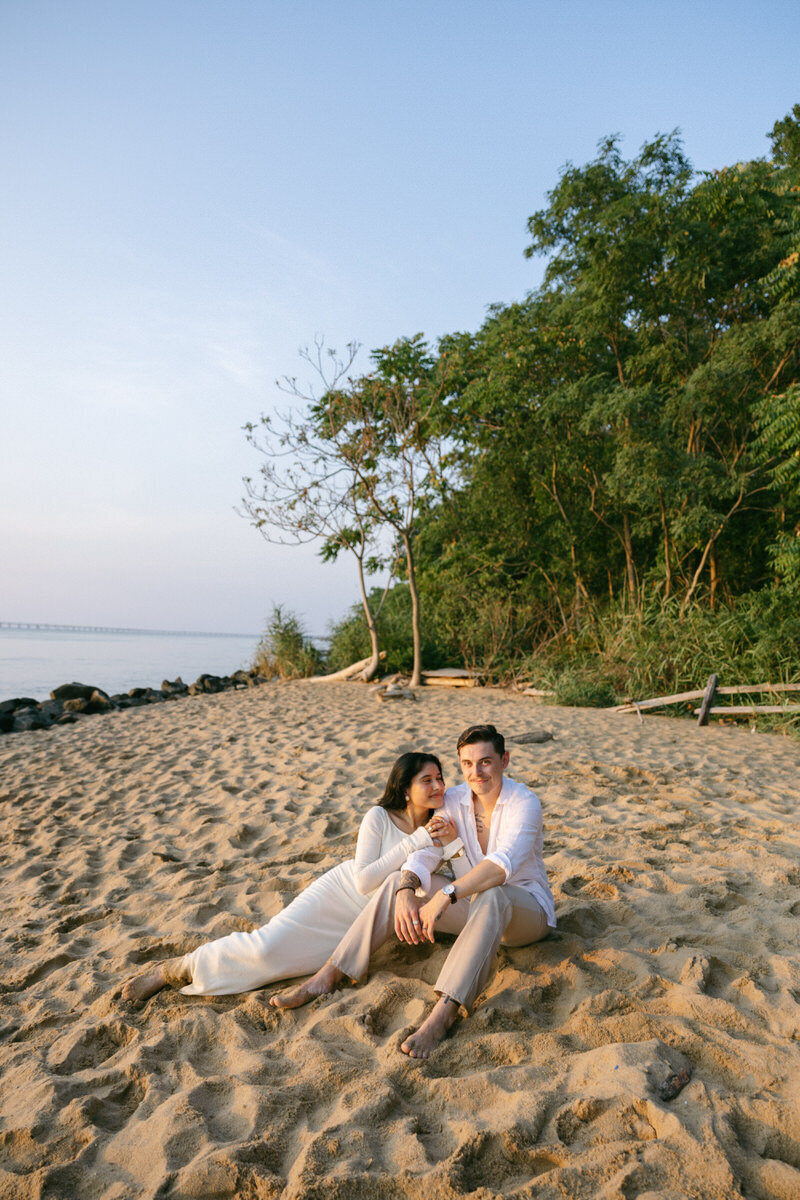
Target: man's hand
column 430, row 913
column 407, row 923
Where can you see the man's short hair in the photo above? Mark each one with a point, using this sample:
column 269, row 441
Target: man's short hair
column 482, row 733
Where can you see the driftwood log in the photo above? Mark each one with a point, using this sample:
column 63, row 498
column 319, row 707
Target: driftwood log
column 708, row 700
column 680, row 697
column 740, row 689
column 533, row 737
column 352, row 672
column 448, row 681
column 395, row 692
column 660, row 701
column 451, row 673
column 451, row 677
column 744, row 710
column 743, row 689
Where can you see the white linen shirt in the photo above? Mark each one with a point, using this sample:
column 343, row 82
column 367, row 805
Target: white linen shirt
column 515, row 840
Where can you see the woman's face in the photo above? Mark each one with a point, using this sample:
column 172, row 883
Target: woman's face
column 426, row 789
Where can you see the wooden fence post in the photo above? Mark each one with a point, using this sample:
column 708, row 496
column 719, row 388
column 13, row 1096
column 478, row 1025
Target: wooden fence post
column 708, row 700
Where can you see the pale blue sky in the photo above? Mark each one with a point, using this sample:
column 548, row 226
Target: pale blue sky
column 194, row 190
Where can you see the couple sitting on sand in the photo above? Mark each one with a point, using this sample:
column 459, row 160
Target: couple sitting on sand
column 465, row 861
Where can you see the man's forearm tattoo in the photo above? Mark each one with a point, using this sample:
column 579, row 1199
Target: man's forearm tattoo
column 409, row 880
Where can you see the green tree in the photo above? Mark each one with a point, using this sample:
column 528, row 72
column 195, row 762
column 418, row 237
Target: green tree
column 308, row 487
column 614, row 412
column 391, row 428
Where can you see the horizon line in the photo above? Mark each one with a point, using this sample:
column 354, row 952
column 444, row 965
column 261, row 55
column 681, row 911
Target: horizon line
column 53, row 628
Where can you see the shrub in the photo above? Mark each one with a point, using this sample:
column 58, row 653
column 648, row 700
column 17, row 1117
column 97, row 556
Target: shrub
column 285, row 651
column 616, row 653
column 578, row 688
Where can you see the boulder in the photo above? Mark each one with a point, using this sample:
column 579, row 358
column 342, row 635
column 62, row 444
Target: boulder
column 206, row 683
column 76, row 691
column 52, row 708
column 99, row 702
column 176, row 687
column 68, row 718
column 144, row 695
column 6, row 722
column 10, row 706
column 78, row 705
column 242, row 679
column 30, row 718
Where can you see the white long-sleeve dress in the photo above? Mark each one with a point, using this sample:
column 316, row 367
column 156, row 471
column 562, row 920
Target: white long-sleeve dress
column 300, row 939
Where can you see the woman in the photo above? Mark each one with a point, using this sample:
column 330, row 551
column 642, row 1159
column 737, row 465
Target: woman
column 302, row 937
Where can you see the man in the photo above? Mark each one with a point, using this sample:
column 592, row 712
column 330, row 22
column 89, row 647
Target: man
column 503, row 897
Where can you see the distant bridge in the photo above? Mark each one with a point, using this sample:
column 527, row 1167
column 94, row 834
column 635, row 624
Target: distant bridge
column 33, row 625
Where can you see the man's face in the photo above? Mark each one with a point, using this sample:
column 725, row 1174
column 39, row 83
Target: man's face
column 483, row 768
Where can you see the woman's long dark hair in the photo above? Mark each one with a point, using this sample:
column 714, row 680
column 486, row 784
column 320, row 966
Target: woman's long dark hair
column 401, row 775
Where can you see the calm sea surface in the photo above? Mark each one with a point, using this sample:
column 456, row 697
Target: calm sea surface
column 32, row 663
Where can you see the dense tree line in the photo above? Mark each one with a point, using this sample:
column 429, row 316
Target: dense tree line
column 628, row 435
column 632, row 425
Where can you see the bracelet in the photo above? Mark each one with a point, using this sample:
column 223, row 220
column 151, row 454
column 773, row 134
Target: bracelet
column 406, row 887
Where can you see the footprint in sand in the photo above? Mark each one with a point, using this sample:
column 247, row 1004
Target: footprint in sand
column 510, row 1159
column 37, row 974
column 87, row 1048
column 382, row 1016
column 112, row 1111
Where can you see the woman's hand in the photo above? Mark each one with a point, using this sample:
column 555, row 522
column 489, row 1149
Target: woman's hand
column 430, row 913
column 441, row 829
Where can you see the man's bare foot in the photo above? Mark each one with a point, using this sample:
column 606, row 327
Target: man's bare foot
column 163, row 974
column 321, row 984
column 432, row 1031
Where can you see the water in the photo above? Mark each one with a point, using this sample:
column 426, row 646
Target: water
column 32, row 663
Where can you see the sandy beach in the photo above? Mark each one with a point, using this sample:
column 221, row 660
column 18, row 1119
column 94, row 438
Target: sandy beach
column 674, row 858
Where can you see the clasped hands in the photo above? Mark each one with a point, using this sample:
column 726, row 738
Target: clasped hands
column 441, row 830
column 415, row 922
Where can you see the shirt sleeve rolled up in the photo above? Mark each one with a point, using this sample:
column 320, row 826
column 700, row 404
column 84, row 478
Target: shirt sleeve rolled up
column 519, row 836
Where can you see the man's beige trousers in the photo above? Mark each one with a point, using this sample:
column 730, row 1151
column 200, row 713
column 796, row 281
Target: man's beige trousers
column 506, row 914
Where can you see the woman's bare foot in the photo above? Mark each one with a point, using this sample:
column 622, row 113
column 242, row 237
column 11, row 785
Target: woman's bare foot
column 321, row 984
column 163, row 974
column 433, row 1029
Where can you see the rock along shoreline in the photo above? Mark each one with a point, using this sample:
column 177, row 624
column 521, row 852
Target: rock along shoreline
column 72, row 702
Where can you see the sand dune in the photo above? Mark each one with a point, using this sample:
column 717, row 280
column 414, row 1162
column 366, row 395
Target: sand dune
column 674, row 856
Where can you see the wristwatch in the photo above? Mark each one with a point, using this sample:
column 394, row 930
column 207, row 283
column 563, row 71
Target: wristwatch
column 449, row 890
